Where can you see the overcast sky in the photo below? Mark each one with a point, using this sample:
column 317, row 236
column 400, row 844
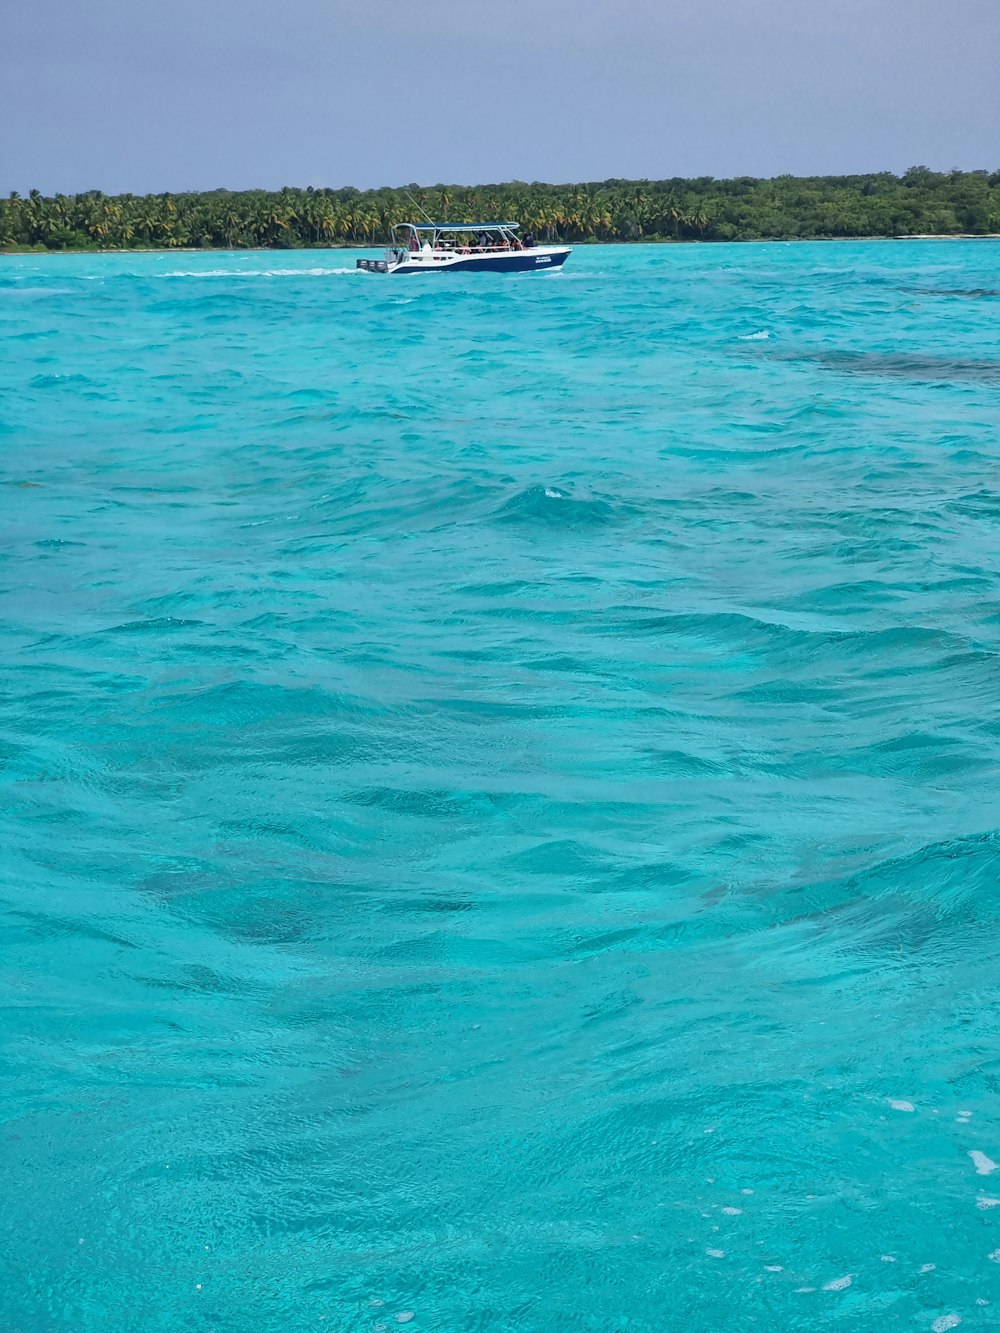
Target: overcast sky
column 151, row 95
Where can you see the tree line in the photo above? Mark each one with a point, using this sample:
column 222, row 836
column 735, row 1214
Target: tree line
column 703, row 209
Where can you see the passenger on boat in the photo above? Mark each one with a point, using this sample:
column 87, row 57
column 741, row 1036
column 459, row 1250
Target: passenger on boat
column 529, row 240
column 414, row 242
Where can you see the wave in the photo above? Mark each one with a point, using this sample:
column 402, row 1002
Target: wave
column 549, row 507
column 915, row 898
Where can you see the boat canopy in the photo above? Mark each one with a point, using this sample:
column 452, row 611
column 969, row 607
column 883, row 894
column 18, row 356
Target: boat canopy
column 460, row 226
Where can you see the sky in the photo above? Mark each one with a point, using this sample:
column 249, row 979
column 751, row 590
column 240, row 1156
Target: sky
column 156, row 95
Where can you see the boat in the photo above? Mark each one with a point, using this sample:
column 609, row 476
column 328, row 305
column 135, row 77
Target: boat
column 466, row 247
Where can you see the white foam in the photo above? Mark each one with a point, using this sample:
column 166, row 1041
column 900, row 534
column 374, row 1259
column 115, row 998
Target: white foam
column 554, row 495
column 773, row 1268
column 760, row 336
column 995, row 1256
column 984, row 1165
column 965, row 1113
column 404, row 1316
column 258, row 272
column 984, row 1201
column 839, row 1283
column 732, row 1212
column 900, row 1105
column 746, row 1191
column 944, row 1322
column 888, row 1258
column 801, row 1291
column 927, row 1268
column 716, row 1254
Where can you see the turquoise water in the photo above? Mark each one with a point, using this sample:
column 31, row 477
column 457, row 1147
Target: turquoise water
column 500, row 792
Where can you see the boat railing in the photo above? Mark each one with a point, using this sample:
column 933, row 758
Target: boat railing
column 499, row 248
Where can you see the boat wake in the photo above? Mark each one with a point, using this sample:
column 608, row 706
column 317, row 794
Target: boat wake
column 258, row 273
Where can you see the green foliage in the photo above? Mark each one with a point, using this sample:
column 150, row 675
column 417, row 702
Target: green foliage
column 786, row 208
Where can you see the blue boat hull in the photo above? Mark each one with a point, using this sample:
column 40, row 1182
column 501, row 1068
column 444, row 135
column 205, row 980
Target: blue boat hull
column 518, row 261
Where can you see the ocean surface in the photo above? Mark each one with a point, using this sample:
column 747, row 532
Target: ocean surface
column 501, row 791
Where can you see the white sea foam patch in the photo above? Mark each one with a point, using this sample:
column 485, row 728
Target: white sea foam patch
column 946, row 1321
column 259, row 272
column 839, row 1283
column 760, row 336
column 32, row 292
column 984, row 1201
column 898, row 1105
column 984, row 1165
